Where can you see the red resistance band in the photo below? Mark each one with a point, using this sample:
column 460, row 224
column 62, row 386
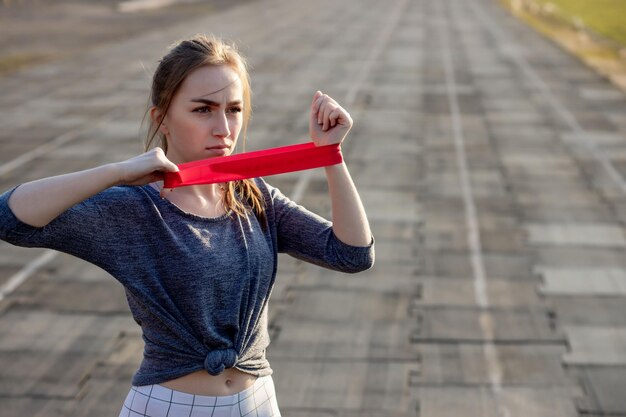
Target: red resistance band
column 254, row 164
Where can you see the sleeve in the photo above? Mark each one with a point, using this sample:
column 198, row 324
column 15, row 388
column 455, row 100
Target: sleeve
column 309, row 237
column 82, row 230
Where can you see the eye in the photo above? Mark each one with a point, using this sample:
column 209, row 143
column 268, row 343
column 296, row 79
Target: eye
column 235, row 109
column 203, row 109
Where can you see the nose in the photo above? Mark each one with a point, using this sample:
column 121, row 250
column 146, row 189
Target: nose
column 220, row 127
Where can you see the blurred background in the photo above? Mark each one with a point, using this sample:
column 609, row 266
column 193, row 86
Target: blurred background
column 34, row 32
column 489, row 148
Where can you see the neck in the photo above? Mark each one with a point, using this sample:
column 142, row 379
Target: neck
column 207, row 191
column 202, row 200
column 210, row 192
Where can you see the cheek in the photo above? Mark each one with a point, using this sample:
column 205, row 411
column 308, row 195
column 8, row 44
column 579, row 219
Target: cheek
column 235, row 126
column 174, row 121
column 189, row 125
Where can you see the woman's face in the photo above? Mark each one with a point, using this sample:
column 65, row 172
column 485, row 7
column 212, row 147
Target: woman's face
column 205, row 116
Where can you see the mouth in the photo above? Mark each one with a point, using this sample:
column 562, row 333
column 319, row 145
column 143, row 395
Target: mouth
column 218, row 149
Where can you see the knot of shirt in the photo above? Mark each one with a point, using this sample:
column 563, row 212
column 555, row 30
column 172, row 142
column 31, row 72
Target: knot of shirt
column 218, row 360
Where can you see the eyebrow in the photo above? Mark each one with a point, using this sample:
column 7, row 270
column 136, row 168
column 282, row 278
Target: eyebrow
column 213, row 103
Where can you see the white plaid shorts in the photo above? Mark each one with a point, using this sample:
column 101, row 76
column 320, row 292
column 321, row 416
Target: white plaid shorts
column 259, row 400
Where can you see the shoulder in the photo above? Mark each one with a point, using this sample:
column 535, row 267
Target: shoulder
column 262, row 184
column 274, row 198
column 120, row 198
column 266, row 190
column 122, row 193
column 269, row 192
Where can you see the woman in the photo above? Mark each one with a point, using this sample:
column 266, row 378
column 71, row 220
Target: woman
column 198, row 263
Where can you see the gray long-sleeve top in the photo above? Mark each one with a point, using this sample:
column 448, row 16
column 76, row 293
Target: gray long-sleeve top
column 198, row 287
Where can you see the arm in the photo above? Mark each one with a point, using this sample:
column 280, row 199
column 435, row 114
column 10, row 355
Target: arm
column 349, row 219
column 39, row 202
column 311, row 238
column 330, row 123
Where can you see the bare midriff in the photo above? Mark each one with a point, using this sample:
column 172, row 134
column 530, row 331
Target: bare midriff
column 229, row 382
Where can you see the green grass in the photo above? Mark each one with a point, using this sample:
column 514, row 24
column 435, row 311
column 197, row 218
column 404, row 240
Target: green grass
column 605, row 17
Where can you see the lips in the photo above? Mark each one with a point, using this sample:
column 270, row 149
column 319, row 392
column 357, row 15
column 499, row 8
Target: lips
column 219, row 149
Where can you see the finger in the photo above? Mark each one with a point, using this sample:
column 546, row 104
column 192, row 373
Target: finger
column 315, row 104
column 166, row 164
column 328, row 109
column 315, row 97
column 320, row 107
column 324, row 102
column 172, row 167
column 335, row 117
column 332, row 100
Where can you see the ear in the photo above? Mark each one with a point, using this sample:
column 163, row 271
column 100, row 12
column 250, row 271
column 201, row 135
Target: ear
column 156, row 117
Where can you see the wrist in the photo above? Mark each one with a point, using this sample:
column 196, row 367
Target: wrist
column 113, row 174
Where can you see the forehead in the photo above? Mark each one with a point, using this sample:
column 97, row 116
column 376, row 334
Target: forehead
column 213, row 81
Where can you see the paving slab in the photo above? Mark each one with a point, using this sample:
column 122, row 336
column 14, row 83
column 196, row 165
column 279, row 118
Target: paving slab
column 484, row 183
column 535, row 174
column 459, row 291
column 598, row 234
column 583, row 310
column 357, row 387
column 535, row 158
column 459, row 364
column 449, row 324
column 456, row 264
column 446, row 401
column 454, row 237
column 596, row 345
column 70, row 285
column 508, row 118
column 391, row 207
column 602, row 93
column 330, row 304
column 313, row 339
column 583, row 281
column 604, row 389
column 554, row 212
column 551, row 198
column 389, row 229
column 384, row 277
column 14, row 257
column 578, row 256
column 36, row 407
column 48, row 354
column 601, row 139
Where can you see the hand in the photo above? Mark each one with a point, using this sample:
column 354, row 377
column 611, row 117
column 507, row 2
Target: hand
column 329, row 123
column 145, row 168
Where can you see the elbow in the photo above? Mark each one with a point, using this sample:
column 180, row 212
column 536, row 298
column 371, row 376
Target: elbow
column 360, row 263
column 347, row 258
column 361, row 267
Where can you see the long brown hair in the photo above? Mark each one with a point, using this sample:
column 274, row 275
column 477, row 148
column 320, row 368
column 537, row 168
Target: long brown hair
column 184, row 57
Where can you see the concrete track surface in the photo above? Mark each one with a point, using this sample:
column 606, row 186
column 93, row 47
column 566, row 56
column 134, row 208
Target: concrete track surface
column 493, row 169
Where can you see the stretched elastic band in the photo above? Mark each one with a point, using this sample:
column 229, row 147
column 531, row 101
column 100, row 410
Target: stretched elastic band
column 254, row 164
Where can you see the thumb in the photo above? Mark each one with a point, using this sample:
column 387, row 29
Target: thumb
column 166, row 164
column 171, row 167
column 315, row 108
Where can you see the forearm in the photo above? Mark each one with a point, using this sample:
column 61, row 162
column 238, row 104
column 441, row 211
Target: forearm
column 39, row 202
column 350, row 223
